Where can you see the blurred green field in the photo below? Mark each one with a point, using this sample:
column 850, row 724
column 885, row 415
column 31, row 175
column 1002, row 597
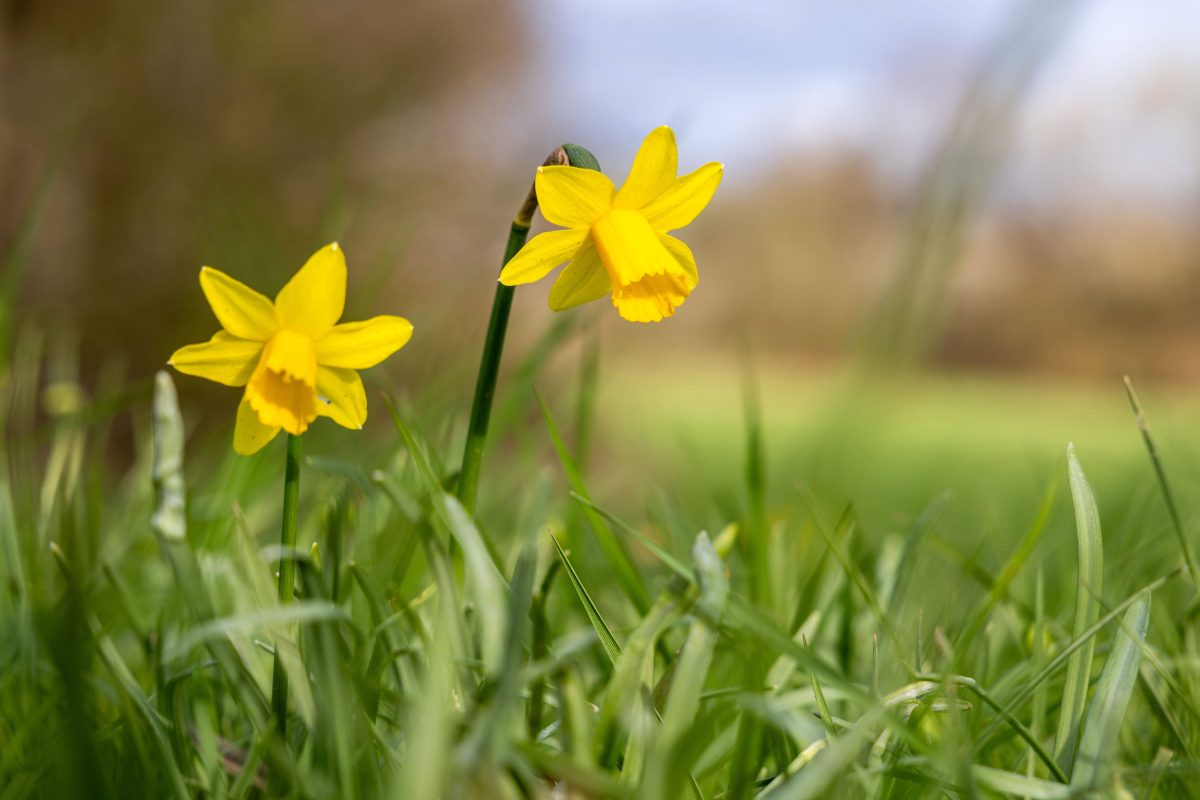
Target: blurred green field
column 987, row 452
column 891, row 445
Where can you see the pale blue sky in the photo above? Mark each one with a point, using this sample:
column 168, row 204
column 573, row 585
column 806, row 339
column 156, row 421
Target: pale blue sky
column 1115, row 110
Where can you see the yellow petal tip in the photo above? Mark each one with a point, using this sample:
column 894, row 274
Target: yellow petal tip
column 333, row 245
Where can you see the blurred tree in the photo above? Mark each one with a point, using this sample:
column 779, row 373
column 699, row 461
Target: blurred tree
column 225, row 131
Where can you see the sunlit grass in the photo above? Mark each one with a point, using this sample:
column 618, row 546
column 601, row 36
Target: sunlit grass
column 921, row 549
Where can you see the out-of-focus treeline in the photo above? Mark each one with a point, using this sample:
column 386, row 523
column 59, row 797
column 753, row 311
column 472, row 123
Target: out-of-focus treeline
column 1036, row 290
column 245, row 135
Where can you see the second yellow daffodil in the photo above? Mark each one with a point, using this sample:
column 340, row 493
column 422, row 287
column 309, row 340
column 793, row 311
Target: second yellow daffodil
column 616, row 240
column 295, row 361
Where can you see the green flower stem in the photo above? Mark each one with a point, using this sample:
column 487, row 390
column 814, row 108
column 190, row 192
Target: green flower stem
column 287, row 573
column 493, row 345
column 489, row 369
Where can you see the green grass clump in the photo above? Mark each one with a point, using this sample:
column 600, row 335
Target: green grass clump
column 585, row 635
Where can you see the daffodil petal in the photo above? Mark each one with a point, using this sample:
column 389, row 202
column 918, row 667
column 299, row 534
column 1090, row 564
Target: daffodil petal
column 312, row 301
column 685, row 199
column 249, row 434
column 572, row 196
column 358, row 345
column 224, row 358
column 242, row 311
column 347, row 400
column 543, row 253
column 581, row 281
column 683, row 256
column 653, row 170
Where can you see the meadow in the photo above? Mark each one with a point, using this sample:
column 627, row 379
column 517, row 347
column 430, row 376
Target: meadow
column 737, row 581
column 669, row 568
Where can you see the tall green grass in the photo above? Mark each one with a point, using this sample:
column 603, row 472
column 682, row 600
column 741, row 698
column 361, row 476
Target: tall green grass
column 566, row 642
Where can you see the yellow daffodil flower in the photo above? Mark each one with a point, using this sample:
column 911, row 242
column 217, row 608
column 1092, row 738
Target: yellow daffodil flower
column 295, row 361
column 616, row 240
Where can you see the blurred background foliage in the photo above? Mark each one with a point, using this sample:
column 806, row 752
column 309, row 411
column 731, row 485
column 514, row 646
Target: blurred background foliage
column 244, row 135
column 1004, row 193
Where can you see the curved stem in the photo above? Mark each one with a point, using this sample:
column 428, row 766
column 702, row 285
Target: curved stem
column 489, row 369
column 493, row 344
column 287, row 573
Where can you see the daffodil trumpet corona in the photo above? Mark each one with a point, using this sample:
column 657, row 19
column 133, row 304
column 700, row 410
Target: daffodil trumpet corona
column 296, row 363
column 618, row 242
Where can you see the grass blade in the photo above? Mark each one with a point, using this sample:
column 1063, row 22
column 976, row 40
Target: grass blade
column 1003, row 581
column 607, row 641
column 169, row 520
column 1098, row 741
column 757, row 543
column 1012, row 784
column 1189, row 557
column 1087, row 609
column 912, row 541
column 852, row 570
column 666, row 768
column 430, row 724
column 486, row 584
column 1030, row 685
column 676, row 565
column 585, row 401
column 120, row 671
column 614, row 551
column 305, row 612
column 628, row 683
column 488, row 737
column 743, row 616
column 830, row 764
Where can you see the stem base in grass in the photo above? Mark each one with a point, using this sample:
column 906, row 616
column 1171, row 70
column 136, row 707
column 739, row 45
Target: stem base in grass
column 287, row 573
